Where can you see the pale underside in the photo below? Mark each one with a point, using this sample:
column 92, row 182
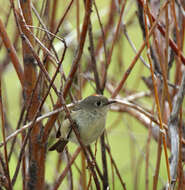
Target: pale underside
column 90, row 126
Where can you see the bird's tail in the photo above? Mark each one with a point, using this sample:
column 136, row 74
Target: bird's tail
column 59, row 145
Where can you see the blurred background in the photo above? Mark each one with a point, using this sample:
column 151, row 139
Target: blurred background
column 57, row 52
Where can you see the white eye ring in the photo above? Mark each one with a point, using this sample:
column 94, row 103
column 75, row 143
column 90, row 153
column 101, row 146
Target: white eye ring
column 98, row 103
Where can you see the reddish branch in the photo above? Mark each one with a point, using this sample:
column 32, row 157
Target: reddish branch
column 172, row 44
column 12, row 52
column 36, row 92
column 125, row 76
column 64, row 173
column 74, row 67
column 36, row 168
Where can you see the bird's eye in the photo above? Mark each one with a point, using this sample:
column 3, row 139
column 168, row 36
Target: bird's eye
column 98, row 103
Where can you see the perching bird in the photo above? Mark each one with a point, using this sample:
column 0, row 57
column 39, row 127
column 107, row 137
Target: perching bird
column 89, row 116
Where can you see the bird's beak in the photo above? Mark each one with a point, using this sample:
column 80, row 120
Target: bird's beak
column 111, row 102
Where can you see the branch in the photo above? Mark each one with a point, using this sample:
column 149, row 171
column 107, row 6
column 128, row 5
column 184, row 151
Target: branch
column 12, row 52
column 173, row 130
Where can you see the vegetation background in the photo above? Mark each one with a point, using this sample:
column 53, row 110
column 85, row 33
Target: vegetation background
column 53, row 53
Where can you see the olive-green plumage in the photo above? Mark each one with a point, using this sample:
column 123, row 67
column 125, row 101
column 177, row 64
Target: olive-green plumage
column 89, row 116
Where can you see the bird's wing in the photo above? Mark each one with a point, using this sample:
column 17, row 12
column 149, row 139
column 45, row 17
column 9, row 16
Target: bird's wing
column 65, row 128
column 66, row 125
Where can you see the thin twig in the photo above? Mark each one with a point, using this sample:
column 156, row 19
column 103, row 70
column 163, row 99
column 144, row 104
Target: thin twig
column 61, row 177
column 4, row 137
column 156, row 95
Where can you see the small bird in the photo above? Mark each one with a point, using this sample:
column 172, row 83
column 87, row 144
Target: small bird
column 89, row 116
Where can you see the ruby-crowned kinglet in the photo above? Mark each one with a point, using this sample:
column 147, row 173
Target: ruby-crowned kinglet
column 89, row 116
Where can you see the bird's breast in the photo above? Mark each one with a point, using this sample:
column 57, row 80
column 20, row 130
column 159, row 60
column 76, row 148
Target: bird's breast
column 90, row 125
